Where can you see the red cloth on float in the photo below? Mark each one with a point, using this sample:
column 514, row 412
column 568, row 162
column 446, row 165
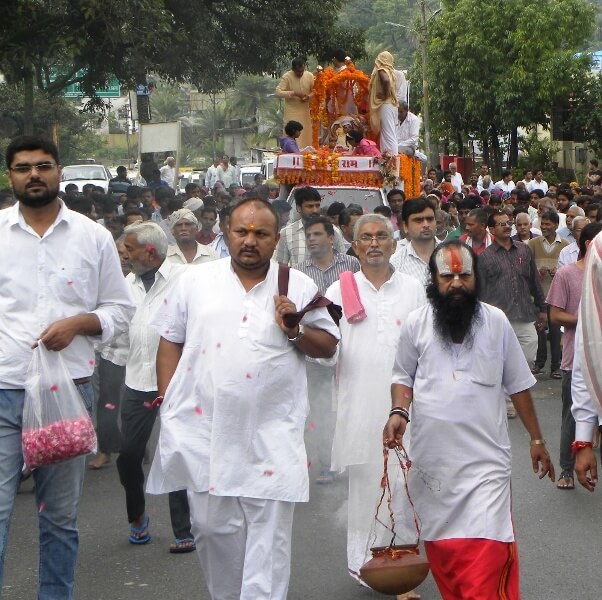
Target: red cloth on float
column 474, row 569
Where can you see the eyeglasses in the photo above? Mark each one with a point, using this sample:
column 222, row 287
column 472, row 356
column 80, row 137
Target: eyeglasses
column 45, row 167
column 380, row 238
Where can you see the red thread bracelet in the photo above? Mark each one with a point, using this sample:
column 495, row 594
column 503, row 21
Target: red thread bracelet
column 576, row 446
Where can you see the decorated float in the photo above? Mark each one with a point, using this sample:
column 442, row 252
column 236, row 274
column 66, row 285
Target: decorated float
column 339, row 104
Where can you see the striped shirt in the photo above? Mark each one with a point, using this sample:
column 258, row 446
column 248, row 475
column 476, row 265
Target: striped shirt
column 291, row 249
column 324, row 279
column 510, row 281
column 405, row 260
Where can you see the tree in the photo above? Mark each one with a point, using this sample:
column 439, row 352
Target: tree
column 167, row 104
column 585, row 112
column 49, row 45
column 505, row 69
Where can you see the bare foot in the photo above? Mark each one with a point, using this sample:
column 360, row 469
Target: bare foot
column 100, row 461
column 409, row 596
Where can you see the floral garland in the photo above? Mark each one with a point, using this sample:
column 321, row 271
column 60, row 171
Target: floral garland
column 327, row 83
column 409, row 173
column 387, row 165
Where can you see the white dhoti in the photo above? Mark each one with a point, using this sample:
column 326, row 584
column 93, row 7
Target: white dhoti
column 244, row 545
column 388, row 133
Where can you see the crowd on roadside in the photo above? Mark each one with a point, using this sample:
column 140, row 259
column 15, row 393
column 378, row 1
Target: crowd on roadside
column 165, row 347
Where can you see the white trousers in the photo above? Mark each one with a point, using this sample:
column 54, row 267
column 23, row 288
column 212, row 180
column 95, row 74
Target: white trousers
column 319, row 428
column 244, row 545
column 527, row 338
column 388, row 135
column 363, row 532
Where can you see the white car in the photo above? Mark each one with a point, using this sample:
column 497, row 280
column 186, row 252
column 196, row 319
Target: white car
column 247, row 174
column 80, row 175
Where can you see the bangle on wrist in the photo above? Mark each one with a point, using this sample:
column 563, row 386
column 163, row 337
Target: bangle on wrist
column 401, row 412
column 300, row 334
column 537, row 443
column 576, row 446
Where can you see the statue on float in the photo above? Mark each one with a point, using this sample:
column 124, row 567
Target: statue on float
column 339, row 104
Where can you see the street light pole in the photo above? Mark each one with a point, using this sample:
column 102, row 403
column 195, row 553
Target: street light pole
column 423, row 42
column 425, row 84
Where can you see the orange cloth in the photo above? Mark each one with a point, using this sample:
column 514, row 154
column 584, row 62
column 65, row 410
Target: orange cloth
column 474, row 569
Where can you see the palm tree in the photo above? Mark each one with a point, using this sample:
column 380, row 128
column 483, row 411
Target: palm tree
column 167, row 104
column 249, row 95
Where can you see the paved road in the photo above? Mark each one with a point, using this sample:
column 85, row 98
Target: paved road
column 558, row 534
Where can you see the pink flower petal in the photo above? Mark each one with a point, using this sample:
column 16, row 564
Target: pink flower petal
column 249, row 376
column 198, row 410
column 109, row 406
column 244, row 319
column 54, row 388
column 312, row 426
column 42, row 507
column 268, row 472
column 148, row 405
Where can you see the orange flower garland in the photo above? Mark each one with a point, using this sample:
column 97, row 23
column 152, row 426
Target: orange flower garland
column 409, row 173
column 327, row 83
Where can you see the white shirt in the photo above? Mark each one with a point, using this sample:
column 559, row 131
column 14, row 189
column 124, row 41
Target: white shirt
column 461, row 454
column 457, row 181
column 234, row 414
column 116, row 350
column 73, row 269
column 203, row 254
column 568, row 255
column 505, row 187
column 408, row 132
column 219, row 246
column 537, row 185
column 367, row 350
column 168, row 174
column 141, row 369
column 407, row 261
column 237, row 175
column 226, row 176
column 211, row 177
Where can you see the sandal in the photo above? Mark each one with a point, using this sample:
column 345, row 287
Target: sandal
column 566, row 481
column 140, row 535
column 182, row 546
column 557, row 374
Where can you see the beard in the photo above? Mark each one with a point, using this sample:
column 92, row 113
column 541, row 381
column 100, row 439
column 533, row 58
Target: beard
column 37, row 200
column 454, row 315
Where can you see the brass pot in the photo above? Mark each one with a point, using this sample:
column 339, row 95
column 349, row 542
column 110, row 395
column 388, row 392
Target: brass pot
column 395, row 570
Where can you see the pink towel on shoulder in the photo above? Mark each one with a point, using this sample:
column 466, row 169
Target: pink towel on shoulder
column 352, row 304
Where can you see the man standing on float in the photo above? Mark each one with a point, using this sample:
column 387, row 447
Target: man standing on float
column 388, row 87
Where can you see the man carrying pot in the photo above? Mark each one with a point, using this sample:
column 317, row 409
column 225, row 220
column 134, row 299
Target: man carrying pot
column 457, row 359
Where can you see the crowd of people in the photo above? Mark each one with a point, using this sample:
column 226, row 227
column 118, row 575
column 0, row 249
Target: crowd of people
column 436, row 310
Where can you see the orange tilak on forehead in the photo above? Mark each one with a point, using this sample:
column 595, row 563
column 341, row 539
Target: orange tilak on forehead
column 251, row 225
column 454, row 260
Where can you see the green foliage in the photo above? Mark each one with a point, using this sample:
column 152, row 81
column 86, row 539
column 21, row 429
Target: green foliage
column 506, row 68
column 76, row 136
column 538, row 152
column 585, row 113
column 207, row 42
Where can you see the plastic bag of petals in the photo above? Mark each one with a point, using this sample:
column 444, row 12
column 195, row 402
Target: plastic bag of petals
column 56, row 424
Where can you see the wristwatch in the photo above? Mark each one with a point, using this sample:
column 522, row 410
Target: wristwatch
column 299, row 335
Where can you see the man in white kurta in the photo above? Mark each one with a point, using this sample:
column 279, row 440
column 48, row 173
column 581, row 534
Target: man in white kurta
column 233, row 418
column 457, row 359
column 367, row 350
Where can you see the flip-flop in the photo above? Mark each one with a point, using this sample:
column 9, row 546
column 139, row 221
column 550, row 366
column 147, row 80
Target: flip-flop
column 567, row 477
column 182, row 546
column 142, row 539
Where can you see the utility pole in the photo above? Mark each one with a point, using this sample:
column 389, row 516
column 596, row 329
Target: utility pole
column 426, row 121
column 423, row 43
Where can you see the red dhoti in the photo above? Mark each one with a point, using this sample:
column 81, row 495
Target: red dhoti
column 474, row 569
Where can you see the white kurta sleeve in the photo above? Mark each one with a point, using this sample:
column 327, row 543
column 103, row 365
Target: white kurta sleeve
column 406, row 358
column 583, row 408
column 171, row 318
